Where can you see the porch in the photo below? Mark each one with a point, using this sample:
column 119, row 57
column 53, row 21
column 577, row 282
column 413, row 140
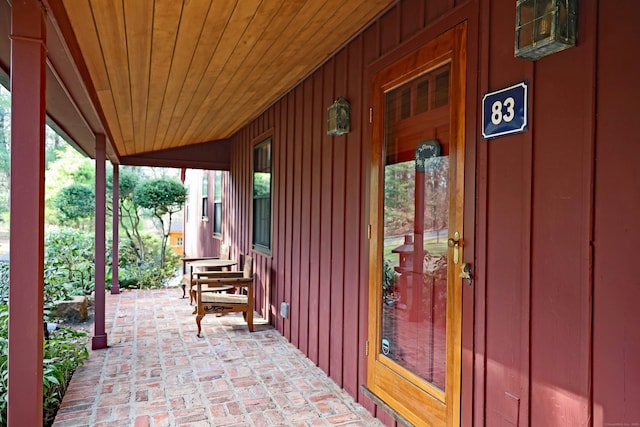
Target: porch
column 156, row 372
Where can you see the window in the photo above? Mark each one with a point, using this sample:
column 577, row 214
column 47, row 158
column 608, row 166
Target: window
column 217, row 203
column 179, row 242
column 205, row 195
column 262, row 195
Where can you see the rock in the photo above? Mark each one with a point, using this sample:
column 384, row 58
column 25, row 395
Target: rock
column 75, row 310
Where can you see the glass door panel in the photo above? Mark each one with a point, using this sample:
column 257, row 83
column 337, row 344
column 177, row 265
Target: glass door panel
column 415, row 228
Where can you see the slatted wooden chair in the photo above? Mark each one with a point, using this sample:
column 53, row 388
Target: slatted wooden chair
column 210, row 299
column 187, row 279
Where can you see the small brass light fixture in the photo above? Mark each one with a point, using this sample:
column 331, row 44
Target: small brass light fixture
column 544, row 27
column 338, row 121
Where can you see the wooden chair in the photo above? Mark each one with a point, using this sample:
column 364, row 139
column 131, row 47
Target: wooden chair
column 210, row 299
column 187, row 278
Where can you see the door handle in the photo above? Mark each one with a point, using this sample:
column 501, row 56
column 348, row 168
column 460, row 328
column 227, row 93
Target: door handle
column 454, row 242
column 465, row 272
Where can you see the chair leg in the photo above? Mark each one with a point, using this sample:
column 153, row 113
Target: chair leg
column 249, row 319
column 198, row 320
column 184, row 291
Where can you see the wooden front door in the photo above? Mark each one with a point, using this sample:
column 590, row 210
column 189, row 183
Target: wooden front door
column 415, row 306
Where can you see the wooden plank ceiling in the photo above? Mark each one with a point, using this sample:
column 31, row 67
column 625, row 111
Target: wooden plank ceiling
column 170, row 73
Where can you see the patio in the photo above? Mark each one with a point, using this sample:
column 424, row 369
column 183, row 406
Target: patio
column 156, row 372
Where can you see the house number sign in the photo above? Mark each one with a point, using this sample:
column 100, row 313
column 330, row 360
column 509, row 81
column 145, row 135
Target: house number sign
column 505, row 111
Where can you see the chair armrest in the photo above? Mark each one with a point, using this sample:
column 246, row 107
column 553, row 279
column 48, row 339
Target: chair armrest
column 217, row 274
column 239, row 282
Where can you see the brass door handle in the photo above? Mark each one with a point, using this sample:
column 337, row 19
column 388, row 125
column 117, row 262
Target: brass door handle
column 465, row 272
column 454, row 242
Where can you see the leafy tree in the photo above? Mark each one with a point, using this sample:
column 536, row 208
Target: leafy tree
column 129, row 216
column 163, row 197
column 69, row 167
column 75, row 203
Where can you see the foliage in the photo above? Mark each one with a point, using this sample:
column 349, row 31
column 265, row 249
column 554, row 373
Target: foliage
column 128, row 214
column 4, row 282
column 261, row 184
column 389, row 278
column 68, row 264
column 63, row 352
column 75, row 203
column 400, row 196
column 149, row 273
column 5, row 151
column 162, row 197
column 66, row 167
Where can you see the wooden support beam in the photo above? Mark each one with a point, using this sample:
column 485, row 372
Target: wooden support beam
column 115, row 284
column 99, row 340
column 26, row 287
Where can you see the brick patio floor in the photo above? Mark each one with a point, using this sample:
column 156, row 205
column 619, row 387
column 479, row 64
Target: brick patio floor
column 156, row 372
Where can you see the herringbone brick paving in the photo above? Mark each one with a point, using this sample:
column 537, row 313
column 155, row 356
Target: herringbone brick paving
column 157, row 373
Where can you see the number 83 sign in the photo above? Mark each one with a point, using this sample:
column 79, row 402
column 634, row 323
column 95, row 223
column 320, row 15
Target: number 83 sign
column 505, row 111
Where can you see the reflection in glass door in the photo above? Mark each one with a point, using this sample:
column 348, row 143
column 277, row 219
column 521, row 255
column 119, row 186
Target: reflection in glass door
column 415, row 227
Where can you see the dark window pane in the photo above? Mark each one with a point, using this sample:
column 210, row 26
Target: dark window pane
column 422, row 98
column 405, row 108
column 262, row 195
column 441, row 97
column 217, row 218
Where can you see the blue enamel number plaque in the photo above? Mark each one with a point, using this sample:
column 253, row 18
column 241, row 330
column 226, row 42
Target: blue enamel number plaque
column 505, row 111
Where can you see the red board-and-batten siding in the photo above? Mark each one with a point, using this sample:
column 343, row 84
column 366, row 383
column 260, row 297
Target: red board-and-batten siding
column 319, row 256
column 553, row 339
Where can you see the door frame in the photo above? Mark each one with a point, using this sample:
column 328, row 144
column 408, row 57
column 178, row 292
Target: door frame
column 385, row 382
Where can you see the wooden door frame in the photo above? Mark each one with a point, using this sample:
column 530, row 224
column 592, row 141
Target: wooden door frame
column 450, row 47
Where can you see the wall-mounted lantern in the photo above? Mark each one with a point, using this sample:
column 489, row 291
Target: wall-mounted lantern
column 544, row 27
column 338, row 122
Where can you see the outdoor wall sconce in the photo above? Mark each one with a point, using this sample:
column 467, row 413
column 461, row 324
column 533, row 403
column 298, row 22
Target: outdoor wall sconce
column 544, row 27
column 338, row 122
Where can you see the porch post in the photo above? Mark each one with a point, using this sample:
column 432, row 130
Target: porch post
column 115, row 242
column 26, row 287
column 99, row 339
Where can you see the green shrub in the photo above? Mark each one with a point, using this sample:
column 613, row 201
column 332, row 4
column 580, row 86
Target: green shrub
column 63, row 352
column 69, row 267
column 147, row 274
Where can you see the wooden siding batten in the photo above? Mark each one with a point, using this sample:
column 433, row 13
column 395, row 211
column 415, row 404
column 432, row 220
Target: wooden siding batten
column 561, row 284
column 26, row 286
column 470, row 215
column 412, row 18
column 326, row 228
column 338, row 234
column 305, row 215
column 282, row 214
column 616, row 336
column 270, row 291
column 317, row 129
column 509, row 237
column 389, row 30
column 289, row 206
column 480, row 262
column 296, row 139
column 278, row 203
column 352, row 348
